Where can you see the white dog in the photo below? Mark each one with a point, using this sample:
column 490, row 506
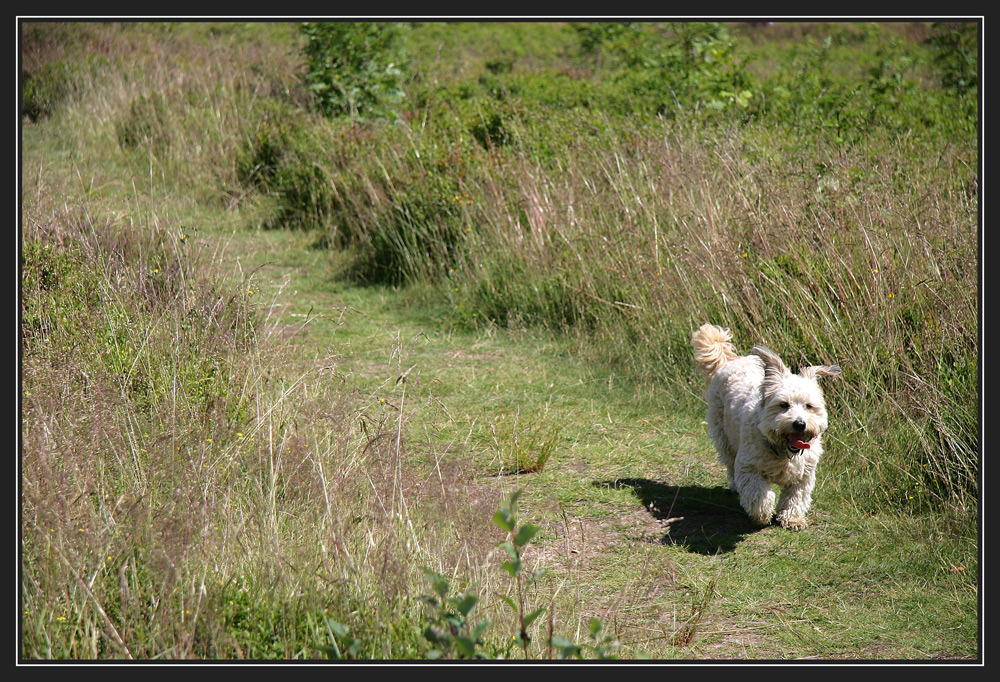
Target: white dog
column 767, row 424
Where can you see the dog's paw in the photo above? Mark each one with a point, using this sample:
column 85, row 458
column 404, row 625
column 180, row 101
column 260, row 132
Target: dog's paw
column 791, row 522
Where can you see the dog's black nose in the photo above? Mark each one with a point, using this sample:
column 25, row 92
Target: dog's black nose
column 799, row 425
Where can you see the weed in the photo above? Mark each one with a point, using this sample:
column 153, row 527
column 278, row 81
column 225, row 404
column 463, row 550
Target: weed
column 600, row 644
column 450, row 628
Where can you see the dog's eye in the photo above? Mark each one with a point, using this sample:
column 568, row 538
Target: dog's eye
column 809, row 406
column 784, row 405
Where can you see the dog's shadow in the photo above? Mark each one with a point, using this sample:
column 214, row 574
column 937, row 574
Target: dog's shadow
column 704, row 520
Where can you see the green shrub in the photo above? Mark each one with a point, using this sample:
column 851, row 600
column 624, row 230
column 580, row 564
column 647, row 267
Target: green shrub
column 679, row 65
column 42, row 90
column 956, row 56
column 45, row 88
column 354, row 69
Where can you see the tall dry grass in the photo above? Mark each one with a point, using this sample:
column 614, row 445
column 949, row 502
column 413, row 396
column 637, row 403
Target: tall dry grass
column 862, row 254
column 187, row 492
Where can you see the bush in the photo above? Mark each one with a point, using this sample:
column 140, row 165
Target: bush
column 354, row 69
column 47, row 87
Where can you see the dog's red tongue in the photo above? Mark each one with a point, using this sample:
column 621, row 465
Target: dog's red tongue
column 795, row 442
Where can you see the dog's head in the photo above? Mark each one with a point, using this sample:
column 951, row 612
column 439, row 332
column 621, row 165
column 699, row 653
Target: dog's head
column 793, row 411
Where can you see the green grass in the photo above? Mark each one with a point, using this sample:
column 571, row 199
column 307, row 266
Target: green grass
column 275, row 367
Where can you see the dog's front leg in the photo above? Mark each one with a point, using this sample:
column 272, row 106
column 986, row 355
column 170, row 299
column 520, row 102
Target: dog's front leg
column 794, row 503
column 756, row 495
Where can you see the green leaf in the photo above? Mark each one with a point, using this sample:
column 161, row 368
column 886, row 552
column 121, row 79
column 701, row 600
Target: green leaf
column 436, row 635
column 512, row 500
column 331, row 651
column 338, row 629
column 466, row 604
column 538, row 575
column 428, row 599
column 508, row 601
column 477, row 631
column 465, row 645
column 566, row 647
column 512, row 567
column 530, row 618
column 437, row 581
column 510, row 549
column 525, row 533
column 504, row 519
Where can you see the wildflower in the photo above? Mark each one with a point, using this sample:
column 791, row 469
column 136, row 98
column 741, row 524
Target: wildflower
column 743, row 255
column 892, row 295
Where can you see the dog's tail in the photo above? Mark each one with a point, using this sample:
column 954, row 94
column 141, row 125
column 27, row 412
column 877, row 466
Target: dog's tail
column 712, row 348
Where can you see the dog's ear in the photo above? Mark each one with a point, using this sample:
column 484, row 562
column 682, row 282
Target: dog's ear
column 816, row 371
column 774, row 369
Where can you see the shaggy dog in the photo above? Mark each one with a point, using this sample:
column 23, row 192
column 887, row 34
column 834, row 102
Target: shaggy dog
column 767, row 425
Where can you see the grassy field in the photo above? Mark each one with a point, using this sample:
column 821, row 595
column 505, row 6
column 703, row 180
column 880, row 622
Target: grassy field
column 384, row 353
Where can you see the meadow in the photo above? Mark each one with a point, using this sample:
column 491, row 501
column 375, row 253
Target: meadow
column 372, row 341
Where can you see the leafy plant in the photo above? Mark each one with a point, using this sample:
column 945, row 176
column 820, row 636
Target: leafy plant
column 450, row 629
column 346, row 648
column 600, row 644
column 517, row 539
column 354, row 69
column 956, row 55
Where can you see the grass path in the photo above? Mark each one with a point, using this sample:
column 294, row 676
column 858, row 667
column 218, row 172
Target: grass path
column 637, row 526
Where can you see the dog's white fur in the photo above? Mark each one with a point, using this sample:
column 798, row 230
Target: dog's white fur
column 760, row 415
